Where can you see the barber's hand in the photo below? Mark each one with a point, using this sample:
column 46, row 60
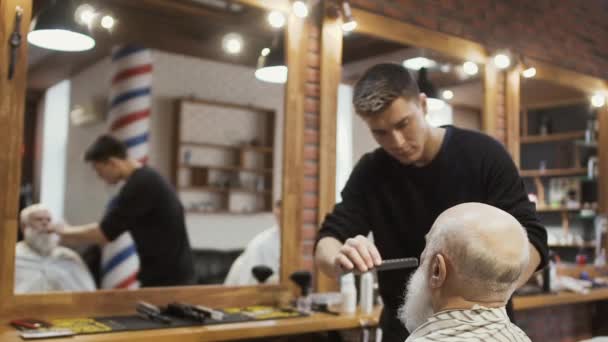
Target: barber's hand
column 357, row 253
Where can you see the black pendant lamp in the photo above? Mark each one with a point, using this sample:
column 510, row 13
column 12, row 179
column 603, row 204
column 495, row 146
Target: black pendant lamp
column 271, row 62
column 56, row 28
column 425, row 86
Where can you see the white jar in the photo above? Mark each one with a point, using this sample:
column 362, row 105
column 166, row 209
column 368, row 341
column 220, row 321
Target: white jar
column 349, row 293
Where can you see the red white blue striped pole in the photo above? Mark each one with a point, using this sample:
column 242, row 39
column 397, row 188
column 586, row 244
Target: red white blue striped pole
column 129, row 121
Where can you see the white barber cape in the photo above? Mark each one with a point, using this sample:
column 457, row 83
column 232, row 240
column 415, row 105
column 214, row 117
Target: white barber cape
column 63, row 270
column 263, row 249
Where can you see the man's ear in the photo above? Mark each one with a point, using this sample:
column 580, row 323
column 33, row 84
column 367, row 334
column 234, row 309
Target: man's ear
column 422, row 103
column 438, row 271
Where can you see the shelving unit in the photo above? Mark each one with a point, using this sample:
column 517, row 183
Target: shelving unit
column 553, row 165
column 224, row 157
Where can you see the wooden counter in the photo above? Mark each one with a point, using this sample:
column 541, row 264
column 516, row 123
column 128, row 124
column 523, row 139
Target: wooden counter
column 537, row 301
column 223, row 332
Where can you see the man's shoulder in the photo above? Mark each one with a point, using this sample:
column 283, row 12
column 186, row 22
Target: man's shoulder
column 66, row 254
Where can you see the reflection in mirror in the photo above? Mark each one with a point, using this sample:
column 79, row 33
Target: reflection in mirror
column 454, row 88
column 559, row 164
column 186, row 103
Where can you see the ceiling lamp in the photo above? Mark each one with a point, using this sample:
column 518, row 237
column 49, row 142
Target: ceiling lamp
column 529, row 72
column 447, row 94
column 598, row 100
column 425, row 86
column 107, row 22
column 55, row 28
column 470, row 68
column 232, row 43
column 300, row 9
column 348, row 21
column 276, row 19
column 271, row 62
column 502, row 61
column 418, row 63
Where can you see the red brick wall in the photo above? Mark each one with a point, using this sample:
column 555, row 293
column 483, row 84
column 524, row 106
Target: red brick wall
column 571, row 34
column 311, row 150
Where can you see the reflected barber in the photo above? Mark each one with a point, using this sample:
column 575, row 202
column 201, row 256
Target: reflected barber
column 147, row 207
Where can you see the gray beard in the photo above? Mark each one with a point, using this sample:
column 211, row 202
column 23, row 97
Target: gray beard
column 417, row 308
column 43, row 243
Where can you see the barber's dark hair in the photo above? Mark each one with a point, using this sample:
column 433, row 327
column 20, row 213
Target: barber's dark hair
column 382, row 84
column 104, row 148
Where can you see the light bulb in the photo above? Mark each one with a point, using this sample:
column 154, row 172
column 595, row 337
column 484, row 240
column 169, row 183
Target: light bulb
column 598, row 100
column 529, row 72
column 276, row 19
column 300, row 9
column 447, row 94
column 470, row 68
column 107, row 22
column 502, row 61
column 232, row 43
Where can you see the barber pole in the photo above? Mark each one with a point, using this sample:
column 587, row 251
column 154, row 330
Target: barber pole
column 129, row 121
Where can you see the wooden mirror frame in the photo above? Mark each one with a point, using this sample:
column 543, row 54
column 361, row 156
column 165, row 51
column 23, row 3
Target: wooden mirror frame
column 331, row 64
column 122, row 301
column 568, row 78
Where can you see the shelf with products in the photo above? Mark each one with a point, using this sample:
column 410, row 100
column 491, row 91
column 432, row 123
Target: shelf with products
column 557, row 162
column 544, row 138
column 220, row 168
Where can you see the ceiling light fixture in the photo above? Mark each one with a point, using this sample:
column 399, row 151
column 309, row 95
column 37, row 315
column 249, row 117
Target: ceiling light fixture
column 300, row 9
column 85, row 15
column 502, row 61
column 598, row 100
column 529, row 72
column 56, row 28
column 271, row 62
column 425, row 86
column 108, row 22
column 447, row 94
column 470, row 68
column 232, row 43
column 418, row 63
column 349, row 23
column 276, row 19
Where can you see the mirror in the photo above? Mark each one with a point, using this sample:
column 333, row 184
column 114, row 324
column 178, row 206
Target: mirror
column 458, row 98
column 214, row 131
column 559, row 163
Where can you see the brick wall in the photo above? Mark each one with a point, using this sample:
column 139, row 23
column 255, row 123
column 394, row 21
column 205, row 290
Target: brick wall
column 311, row 150
column 571, row 34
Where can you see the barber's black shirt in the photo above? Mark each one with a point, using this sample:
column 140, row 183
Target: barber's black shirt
column 148, row 207
column 399, row 203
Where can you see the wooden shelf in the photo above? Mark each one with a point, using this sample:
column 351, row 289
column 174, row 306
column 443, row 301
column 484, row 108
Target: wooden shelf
column 222, row 190
column 534, row 139
column 226, row 168
column 265, row 330
column 260, row 149
column 561, row 298
column 578, row 171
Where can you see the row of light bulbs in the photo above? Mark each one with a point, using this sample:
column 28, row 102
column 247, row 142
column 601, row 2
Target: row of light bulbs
column 501, row 60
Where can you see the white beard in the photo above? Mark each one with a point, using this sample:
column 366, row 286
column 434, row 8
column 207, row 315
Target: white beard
column 43, row 243
column 417, row 308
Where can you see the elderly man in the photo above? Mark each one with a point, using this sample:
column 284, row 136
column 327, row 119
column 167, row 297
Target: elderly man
column 41, row 265
column 474, row 255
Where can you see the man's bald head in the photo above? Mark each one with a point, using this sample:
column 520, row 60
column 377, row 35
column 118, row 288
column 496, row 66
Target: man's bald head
column 486, row 248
